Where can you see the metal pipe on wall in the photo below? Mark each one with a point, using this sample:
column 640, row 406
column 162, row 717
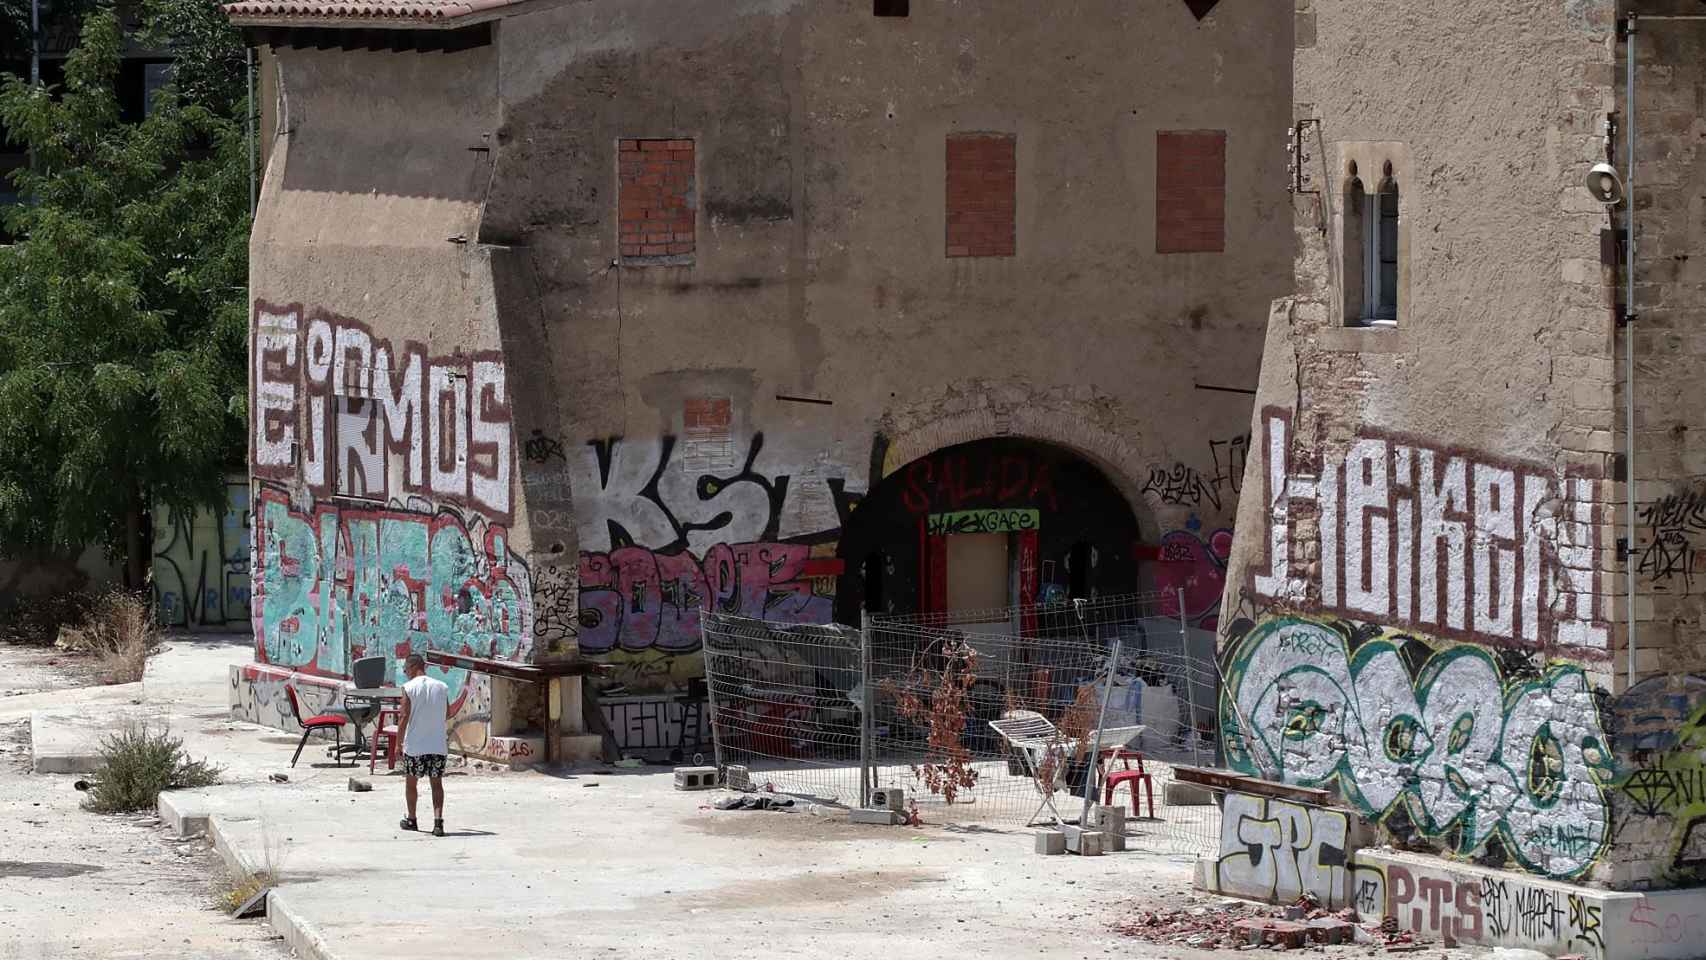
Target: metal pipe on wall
column 249, row 118
column 1629, row 348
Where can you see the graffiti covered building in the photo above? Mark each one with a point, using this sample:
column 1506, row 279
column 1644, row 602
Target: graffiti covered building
column 1428, row 605
column 572, row 321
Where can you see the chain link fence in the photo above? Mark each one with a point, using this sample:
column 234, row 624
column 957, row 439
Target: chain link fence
column 832, row 713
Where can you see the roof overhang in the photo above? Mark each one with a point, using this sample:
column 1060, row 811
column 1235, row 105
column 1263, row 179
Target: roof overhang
column 392, row 37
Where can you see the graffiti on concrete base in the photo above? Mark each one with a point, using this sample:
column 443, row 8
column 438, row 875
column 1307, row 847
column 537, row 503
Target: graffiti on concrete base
column 1463, row 908
column 1466, row 752
column 1276, row 850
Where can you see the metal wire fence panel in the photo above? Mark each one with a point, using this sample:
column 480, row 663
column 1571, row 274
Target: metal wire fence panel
column 945, row 685
column 785, row 704
column 986, row 716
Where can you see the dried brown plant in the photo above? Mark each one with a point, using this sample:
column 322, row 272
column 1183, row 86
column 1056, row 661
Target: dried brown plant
column 949, row 767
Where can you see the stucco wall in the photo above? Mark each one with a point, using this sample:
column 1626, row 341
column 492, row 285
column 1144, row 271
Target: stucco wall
column 382, row 450
column 820, row 270
column 701, row 434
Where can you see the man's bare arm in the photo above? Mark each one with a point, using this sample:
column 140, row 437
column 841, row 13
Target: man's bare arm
column 403, row 720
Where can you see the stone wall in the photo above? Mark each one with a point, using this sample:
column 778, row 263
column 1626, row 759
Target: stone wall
column 1663, row 838
column 1420, row 614
column 906, row 237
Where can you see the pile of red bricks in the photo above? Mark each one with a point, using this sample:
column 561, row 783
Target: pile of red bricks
column 656, row 204
column 1237, row 925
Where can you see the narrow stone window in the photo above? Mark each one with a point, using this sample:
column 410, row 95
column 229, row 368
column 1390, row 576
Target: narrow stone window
column 657, row 201
column 890, row 8
column 1371, row 274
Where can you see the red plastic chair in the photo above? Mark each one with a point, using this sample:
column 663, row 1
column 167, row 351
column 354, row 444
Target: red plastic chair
column 1136, row 778
column 392, row 736
column 325, row 721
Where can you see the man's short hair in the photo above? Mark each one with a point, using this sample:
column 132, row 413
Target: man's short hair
column 415, row 662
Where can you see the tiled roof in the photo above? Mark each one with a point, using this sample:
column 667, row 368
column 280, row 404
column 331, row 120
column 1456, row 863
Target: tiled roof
column 361, row 11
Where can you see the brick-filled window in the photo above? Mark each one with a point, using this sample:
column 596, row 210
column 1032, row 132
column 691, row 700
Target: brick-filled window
column 981, row 172
column 1190, row 191
column 657, row 199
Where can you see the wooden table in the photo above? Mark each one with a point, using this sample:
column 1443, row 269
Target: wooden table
column 548, row 673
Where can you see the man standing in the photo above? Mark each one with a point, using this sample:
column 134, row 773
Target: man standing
column 426, row 714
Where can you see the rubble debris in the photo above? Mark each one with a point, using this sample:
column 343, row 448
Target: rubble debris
column 1231, row 924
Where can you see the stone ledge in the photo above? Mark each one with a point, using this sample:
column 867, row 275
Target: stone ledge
column 1473, row 905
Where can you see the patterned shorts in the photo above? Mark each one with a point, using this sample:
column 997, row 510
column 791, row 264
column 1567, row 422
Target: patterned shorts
column 425, row 765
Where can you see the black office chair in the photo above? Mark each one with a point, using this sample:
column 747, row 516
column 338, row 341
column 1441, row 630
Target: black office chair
column 368, row 673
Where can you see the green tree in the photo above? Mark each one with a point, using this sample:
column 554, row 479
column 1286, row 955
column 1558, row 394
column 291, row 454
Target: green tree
column 122, row 309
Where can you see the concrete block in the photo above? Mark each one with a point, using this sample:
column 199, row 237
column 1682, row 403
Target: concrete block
column 888, row 798
column 1085, row 843
column 1176, row 793
column 1108, row 819
column 1050, row 842
column 1114, row 842
column 695, row 778
column 886, row 818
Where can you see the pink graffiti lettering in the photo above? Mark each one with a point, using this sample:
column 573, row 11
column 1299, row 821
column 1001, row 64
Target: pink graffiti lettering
column 1449, row 907
column 1197, row 567
column 634, row 598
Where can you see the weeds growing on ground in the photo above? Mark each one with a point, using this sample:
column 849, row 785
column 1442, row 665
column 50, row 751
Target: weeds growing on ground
column 138, row 763
column 120, row 633
column 237, row 886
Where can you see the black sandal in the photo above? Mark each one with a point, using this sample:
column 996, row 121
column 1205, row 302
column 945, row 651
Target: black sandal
column 438, row 828
column 408, row 823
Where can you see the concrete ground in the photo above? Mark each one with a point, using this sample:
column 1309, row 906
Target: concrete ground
column 622, row 865
column 78, row 884
column 601, row 863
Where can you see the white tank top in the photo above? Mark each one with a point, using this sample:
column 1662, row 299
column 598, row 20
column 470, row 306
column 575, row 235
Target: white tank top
column 429, row 702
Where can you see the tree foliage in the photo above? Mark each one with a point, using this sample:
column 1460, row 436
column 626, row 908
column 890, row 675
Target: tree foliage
column 122, row 303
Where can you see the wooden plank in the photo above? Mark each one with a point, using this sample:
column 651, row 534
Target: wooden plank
column 1240, row 783
column 530, row 672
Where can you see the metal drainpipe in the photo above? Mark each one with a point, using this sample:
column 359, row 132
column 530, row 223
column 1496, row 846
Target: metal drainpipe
column 249, row 118
column 1629, row 349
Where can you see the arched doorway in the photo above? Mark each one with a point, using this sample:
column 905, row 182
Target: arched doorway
column 989, row 523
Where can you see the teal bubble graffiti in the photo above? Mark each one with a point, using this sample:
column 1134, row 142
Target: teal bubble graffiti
column 1465, row 752
column 370, row 582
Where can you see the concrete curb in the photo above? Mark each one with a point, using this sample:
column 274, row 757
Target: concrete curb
column 304, row 940
column 181, row 814
column 63, row 743
column 298, row 933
